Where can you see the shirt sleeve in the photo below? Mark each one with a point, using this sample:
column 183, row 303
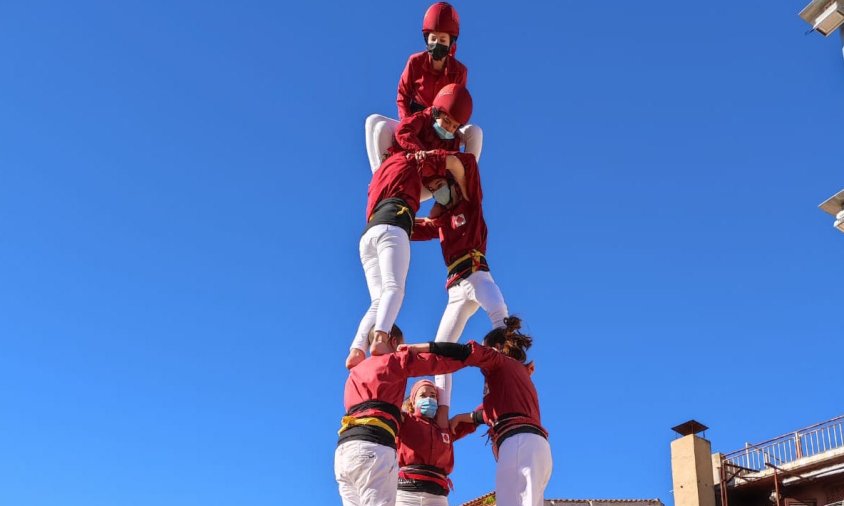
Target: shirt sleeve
column 407, row 133
column 405, row 92
column 427, row 364
column 463, row 77
column 425, row 229
column 462, row 430
column 473, row 177
column 484, row 356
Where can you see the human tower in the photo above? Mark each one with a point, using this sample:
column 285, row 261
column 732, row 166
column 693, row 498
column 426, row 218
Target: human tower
column 393, row 450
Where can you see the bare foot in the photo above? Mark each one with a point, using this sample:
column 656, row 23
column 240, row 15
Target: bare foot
column 379, row 348
column 380, row 344
column 355, row 357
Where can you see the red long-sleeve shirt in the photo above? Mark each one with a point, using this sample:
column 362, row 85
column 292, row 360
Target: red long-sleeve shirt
column 509, row 388
column 416, row 133
column 384, row 377
column 420, row 83
column 422, row 441
column 460, row 228
column 402, row 178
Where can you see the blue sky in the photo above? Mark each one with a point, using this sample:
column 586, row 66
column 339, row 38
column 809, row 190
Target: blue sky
column 182, row 188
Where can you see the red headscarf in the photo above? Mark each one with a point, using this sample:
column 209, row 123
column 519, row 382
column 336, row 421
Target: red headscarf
column 415, row 390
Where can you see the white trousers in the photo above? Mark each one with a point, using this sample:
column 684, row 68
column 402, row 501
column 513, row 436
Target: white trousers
column 420, row 499
column 381, row 129
column 464, row 298
column 367, row 473
column 385, row 256
column 523, row 470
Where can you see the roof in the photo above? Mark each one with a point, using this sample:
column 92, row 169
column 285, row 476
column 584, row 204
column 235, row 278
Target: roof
column 489, row 500
column 689, row 428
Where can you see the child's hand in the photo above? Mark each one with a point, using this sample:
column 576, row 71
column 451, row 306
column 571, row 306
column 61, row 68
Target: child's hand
column 418, row 156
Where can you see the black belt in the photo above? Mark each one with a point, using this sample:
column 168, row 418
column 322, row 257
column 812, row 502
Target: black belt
column 392, row 211
column 465, row 266
column 435, row 486
column 372, row 433
column 521, row 428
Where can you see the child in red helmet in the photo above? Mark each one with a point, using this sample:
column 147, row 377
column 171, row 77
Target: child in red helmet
column 427, row 149
column 428, row 71
column 425, row 74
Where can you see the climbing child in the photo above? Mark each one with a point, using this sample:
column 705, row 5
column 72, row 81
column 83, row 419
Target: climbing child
column 425, row 74
column 426, row 149
column 458, row 223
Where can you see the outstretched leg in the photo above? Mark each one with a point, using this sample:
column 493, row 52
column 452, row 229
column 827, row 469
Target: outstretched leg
column 458, row 311
column 473, row 140
column 482, row 288
column 372, row 271
column 379, row 131
column 393, row 248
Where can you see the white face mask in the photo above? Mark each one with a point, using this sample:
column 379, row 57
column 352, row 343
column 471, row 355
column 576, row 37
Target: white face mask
column 442, row 195
column 427, row 406
column 442, row 132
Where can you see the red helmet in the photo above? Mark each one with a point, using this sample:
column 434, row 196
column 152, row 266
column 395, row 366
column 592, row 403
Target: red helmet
column 441, row 17
column 455, row 100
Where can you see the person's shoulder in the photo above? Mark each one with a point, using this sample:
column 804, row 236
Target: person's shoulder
column 417, row 58
column 456, row 66
column 426, row 113
column 398, row 357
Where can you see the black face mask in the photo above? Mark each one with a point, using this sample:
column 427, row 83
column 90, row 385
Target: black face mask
column 437, row 51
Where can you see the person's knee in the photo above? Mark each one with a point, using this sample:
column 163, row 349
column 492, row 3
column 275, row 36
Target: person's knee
column 497, row 314
column 372, row 120
column 473, row 132
column 392, row 287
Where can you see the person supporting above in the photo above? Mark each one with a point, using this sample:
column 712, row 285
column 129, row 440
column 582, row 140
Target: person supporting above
column 427, row 152
column 425, row 74
column 459, row 224
column 365, row 458
column 425, row 451
column 510, row 408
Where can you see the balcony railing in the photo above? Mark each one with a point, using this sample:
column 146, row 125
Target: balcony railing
column 787, row 448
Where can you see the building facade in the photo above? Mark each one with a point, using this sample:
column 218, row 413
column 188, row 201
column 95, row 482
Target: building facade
column 801, row 468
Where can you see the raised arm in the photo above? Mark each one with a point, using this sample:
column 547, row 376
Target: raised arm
column 428, row 364
column 472, row 353
column 454, row 165
column 407, row 133
column 425, row 229
column 465, row 423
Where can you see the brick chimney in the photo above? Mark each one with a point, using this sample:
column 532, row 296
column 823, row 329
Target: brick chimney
column 691, row 466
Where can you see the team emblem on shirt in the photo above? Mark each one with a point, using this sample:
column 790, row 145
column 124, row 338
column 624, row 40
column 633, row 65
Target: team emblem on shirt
column 446, row 438
column 458, row 221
